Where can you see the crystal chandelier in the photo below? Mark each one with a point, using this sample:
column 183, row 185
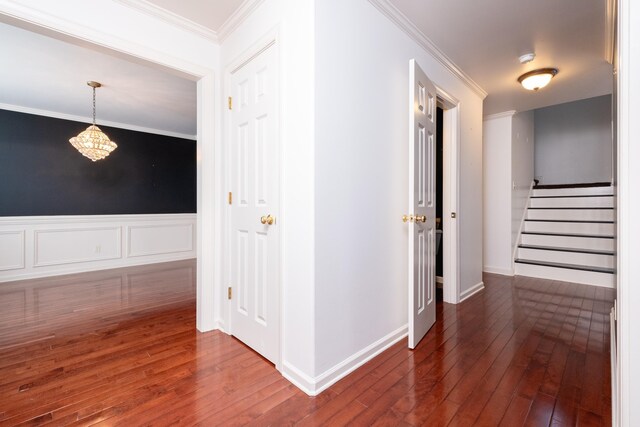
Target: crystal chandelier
column 92, row 142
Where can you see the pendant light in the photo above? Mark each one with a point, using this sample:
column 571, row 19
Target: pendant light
column 92, row 142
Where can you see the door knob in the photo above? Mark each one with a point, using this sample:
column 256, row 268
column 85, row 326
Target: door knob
column 267, row 220
column 421, row 218
column 406, row 218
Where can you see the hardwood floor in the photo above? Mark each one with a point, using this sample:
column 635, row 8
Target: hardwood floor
column 119, row 347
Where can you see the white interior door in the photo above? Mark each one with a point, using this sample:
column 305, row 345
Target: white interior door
column 422, row 205
column 254, row 205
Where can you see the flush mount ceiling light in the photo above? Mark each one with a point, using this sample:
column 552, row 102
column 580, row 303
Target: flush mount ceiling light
column 536, row 79
column 92, row 142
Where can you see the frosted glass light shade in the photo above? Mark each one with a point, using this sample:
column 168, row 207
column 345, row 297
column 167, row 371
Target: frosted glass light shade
column 537, row 79
column 93, row 143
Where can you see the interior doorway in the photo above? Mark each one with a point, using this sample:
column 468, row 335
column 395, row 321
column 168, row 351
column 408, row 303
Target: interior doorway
column 439, row 195
column 209, row 246
column 447, row 173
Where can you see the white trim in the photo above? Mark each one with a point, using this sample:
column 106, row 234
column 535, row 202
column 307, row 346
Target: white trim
column 405, row 24
column 88, row 120
column 499, row 115
column 519, row 236
column 471, row 291
column 627, row 208
column 21, row 264
column 132, row 254
column 31, row 15
column 169, row 17
column 610, row 30
column 451, row 198
column 237, row 18
column 298, row 378
column 79, row 219
column 498, row 270
column 315, row 386
column 36, row 235
column 83, row 228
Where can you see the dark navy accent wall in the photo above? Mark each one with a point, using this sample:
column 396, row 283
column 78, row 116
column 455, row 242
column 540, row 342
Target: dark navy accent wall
column 42, row 174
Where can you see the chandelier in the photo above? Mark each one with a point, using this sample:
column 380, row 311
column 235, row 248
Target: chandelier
column 92, row 142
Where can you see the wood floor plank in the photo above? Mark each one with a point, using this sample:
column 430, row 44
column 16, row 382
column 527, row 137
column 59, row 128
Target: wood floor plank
column 522, row 352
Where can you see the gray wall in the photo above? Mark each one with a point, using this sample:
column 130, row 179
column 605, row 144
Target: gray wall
column 573, row 142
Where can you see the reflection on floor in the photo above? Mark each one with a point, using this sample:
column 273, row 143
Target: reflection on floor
column 120, row 347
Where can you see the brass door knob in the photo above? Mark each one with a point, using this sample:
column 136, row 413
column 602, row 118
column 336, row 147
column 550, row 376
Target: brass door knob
column 267, row 220
column 421, row 218
column 407, row 218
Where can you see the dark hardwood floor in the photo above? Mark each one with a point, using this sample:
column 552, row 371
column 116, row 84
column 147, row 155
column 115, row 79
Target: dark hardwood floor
column 119, row 347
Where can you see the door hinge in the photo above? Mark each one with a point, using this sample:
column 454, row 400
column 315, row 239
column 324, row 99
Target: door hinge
column 230, row 197
column 229, row 293
column 453, row 214
column 230, row 103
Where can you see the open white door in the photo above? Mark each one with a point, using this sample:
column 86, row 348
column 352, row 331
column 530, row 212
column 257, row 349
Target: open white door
column 254, row 205
column 422, row 205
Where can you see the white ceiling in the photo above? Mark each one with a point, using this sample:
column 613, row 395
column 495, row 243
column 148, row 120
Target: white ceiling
column 485, row 38
column 208, row 13
column 43, row 73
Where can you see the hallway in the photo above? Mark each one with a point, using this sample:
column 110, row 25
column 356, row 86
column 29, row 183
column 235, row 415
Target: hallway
column 120, row 346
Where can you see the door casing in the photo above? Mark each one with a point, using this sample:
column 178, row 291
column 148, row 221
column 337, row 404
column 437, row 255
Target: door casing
column 450, row 196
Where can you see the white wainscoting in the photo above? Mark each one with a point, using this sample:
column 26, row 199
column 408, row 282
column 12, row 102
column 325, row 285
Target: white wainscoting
column 41, row 246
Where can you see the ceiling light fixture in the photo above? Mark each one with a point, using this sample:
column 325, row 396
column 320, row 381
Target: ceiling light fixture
column 92, row 142
column 536, row 79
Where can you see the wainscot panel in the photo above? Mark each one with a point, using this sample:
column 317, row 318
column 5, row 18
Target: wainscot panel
column 41, row 246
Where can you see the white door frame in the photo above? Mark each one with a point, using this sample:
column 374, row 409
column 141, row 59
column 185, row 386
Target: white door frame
column 270, row 40
column 450, row 196
column 209, row 171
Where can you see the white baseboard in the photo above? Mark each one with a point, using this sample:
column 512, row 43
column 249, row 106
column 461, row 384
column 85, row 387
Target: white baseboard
column 43, row 246
column 471, row 291
column 499, row 270
column 298, row 378
column 314, row 386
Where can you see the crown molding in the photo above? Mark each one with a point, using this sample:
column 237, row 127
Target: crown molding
column 237, row 17
column 499, row 115
column 172, row 18
column 405, row 24
column 88, row 120
column 610, row 30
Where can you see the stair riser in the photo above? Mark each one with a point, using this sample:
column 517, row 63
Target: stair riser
column 577, row 276
column 569, row 242
column 572, row 214
column 570, row 202
column 570, row 227
column 574, row 191
column 577, row 258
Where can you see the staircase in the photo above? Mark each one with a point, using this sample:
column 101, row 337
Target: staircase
column 568, row 235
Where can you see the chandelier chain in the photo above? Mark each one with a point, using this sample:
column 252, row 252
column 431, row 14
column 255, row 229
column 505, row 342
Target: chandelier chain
column 94, row 106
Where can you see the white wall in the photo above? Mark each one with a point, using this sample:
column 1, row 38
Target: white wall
column 361, row 174
column 497, row 187
column 522, row 168
column 294, row 23
column 628, row 211
column 573, row 142
column 48, row 246
column 508, row 173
